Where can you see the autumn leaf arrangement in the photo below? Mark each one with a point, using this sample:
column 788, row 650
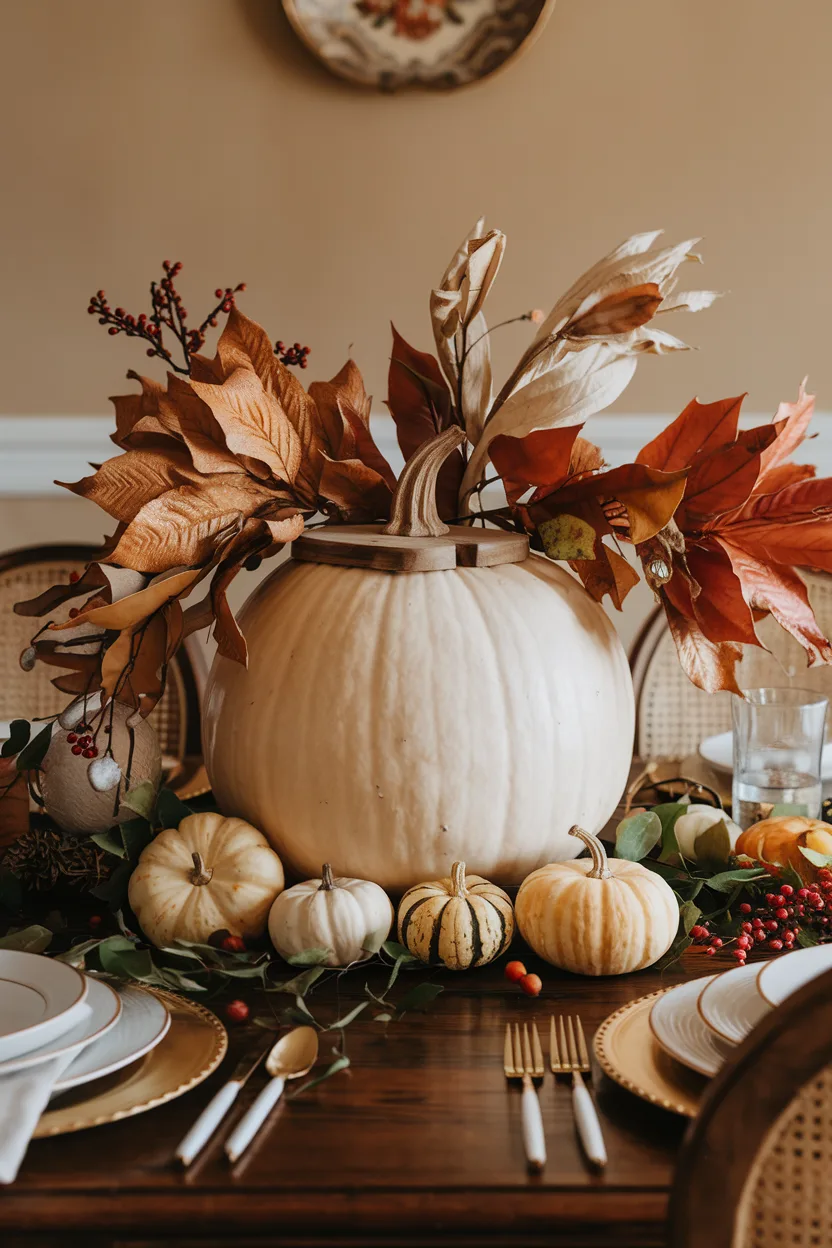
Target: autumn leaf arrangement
column 232, row 457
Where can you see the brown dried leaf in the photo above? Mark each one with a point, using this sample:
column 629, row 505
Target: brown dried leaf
column 254, row 423
column 710, row 665
column 780, row 590
column 791, row 422
column 360, row 493
column 700, row 427
column 182, row 407
column 619, row 312
column 50, row 599
column 132, row 408
column 129, row 612
column 609, row 574
column 131, row 667
column 123, row 485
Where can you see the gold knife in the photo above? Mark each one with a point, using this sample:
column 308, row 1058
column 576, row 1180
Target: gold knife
column 216, row 1109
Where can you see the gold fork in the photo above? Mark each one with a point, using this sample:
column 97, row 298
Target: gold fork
column 525, row 1061
column 568, row 1055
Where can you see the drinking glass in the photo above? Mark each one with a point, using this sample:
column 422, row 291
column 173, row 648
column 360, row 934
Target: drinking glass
column 778, row 739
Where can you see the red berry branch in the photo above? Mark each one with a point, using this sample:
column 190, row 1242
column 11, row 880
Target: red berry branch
column 296, row 354
column 167, row 315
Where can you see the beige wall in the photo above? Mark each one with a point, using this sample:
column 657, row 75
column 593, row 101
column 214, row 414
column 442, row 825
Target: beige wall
column 201, row 130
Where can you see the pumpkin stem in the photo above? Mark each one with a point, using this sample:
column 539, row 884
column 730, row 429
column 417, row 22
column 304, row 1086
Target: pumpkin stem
column 600, row 869
column 327, row 882
column 201, row 874
column 458, row 879
column 413, row 511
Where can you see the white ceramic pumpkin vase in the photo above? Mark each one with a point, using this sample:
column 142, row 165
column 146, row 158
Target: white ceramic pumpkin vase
column 416, row 695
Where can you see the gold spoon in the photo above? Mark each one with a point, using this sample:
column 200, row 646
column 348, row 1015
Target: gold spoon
column 294, row 1055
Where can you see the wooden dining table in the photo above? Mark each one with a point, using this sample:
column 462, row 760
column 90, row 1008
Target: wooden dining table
column 417, row 1142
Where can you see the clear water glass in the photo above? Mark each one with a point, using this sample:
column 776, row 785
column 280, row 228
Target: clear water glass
column 778, row 740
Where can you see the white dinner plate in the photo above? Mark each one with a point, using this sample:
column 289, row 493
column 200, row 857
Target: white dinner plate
column 788, row 972
column 681, row 1031
column 143, row 1022
column 718, row 752
column 103, row 1008
column 39, row 1000
column 731, row 1004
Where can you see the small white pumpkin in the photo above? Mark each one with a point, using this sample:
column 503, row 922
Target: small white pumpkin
column 698, row 819
column 460, row 922
column 341, row 915
column 210, row 874
column 596, row 916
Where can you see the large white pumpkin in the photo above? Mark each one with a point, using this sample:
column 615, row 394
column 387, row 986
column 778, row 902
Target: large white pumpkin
column 396, row 722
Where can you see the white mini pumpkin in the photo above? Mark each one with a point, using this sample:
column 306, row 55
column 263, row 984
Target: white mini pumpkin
column 210, row 874
column 460, row 922
column 342, row 915
column 597, row 916
column 699, row 817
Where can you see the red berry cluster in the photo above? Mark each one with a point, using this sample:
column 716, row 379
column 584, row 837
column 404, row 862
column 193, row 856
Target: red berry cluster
column 701, row 935
column 296, row 354
column 167, row 313
column 82, row 742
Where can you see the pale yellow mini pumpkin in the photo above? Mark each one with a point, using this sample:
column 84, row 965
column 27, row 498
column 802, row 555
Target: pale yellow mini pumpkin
column 460, row 922
column 209, row 874
column 596, row 916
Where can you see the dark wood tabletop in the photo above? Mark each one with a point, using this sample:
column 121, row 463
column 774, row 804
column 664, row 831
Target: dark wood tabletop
column 418, row 1142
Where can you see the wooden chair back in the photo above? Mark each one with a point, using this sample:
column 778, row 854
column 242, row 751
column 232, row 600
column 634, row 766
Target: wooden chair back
column 673, row 716
column 753, row 1170
column 27, row 572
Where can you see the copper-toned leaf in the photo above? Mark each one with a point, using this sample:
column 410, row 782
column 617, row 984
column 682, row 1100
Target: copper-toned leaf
column 542, row 458
column 50, row 599
column 710, row 665
column 774, row 479
column 345, row 392
column 619, row 312
column 131, row 669
column 586, row 457
column 254, row 423
column 132, row 408
column 722, row 480
column 359, row 493
column 609, row 574
column 700, row 427
column 649, row 496
column 364, row 447
column 791, row 422
column 781, row 591
column 182, row 407
column 420, row 403
column 123, row 485
column 720, row 606
column 185, row 526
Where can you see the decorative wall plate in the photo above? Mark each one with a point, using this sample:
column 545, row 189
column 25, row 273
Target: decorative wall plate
column 193, row 1048
column 407, row 43
column 627, row 1051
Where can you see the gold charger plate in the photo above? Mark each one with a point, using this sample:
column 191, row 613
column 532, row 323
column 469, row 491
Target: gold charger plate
column 627, row 1051
column 193, row 1048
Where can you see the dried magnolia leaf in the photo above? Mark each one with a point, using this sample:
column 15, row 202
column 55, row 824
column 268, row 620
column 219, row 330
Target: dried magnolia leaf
column 619, row 312
column 477, row 391
column 567, row 537
column 359, row 493
column 129, row 611
column 254, row 423
column 445, row 304
column 186, row 526
column 690, row 301
column 123, row 485
column 485, row 255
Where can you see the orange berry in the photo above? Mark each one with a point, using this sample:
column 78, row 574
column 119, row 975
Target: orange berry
column 532, row 985
column 514, row 972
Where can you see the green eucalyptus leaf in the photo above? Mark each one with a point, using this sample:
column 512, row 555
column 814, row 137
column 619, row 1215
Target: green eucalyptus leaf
column 136, row 835
column 33, row 754
column 340, row 1063
column 310, row 957
column 689, row 915
column 394, row 974
column 301, row 984
column 349, row 1017
column 114, row 890
column 668, row 813
column 373, row 941
column 636, row 835
column 714, row 844
column 673, row 954
column 670, row 873
column 419, row 997
column 396, row 951
column 567, row 537
column 170, row 809
column 293, row 1015
column 806, row 938
column 18, row 737
column 110, row 841
column 32, row 939
column 725, row 881
column 76, row 955
column 266, row 1022
column 142, row 799
column 817, row 859
column 382, row 1018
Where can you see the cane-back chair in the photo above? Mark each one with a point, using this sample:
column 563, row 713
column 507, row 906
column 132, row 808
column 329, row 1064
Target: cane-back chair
column 673, row 716
column 754, row 1168
column 29, row 695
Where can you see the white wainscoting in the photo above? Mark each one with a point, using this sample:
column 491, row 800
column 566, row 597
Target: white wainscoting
column 36, row 451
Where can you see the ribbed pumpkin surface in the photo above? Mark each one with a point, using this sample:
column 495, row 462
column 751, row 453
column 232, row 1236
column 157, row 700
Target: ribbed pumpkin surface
column 597, row 926
column 391, row 723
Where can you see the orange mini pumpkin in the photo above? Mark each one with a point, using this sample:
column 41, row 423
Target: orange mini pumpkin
column 780, row 840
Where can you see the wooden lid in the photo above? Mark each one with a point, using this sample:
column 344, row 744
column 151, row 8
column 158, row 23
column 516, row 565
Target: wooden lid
column 415, row 539
column 368, row 546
